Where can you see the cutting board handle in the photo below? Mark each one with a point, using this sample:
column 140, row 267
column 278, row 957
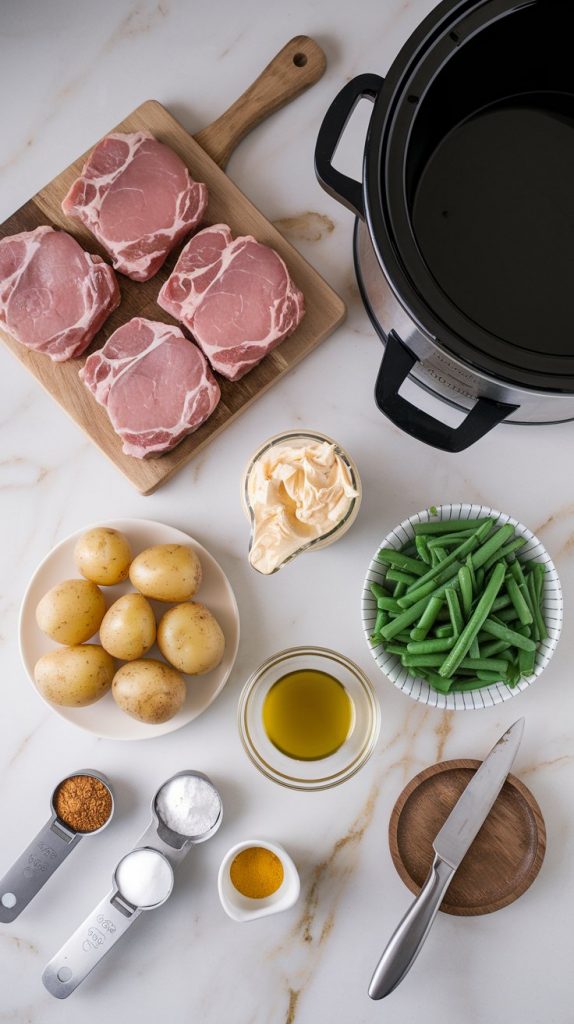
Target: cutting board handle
column 297, row 66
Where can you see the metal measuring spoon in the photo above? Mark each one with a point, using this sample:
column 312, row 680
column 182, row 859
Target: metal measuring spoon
column 114, row 914
column 44, row 854
column 107, row 922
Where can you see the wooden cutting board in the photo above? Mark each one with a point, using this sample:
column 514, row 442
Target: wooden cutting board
column 298, row 65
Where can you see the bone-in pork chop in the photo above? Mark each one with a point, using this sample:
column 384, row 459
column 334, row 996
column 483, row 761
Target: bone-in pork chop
column 54, row 297
column 235, row 296
column 137, row 197
column 155, row 385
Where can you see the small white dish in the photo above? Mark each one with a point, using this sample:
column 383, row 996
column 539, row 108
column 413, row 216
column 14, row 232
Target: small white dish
column 243, row 908
column 487, row 696
column 104, row 718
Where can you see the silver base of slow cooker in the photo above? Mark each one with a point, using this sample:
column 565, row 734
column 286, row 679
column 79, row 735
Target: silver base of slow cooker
column 437, row 371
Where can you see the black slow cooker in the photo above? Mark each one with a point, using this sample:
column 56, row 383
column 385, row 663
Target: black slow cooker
column 464, row 241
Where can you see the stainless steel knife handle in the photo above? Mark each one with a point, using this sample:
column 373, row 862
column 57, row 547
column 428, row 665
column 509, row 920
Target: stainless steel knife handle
column 89, row 943
column 34, row 867
column 406, row 942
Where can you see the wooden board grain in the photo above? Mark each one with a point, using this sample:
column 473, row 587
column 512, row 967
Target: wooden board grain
column 324, row 309
column 503, row 860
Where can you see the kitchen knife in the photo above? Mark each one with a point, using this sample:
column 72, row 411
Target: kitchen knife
column 450, row 846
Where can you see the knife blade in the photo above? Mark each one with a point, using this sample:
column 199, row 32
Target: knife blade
column 450, row 845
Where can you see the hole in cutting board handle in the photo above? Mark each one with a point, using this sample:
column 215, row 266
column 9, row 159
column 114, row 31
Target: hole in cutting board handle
column 299, row 60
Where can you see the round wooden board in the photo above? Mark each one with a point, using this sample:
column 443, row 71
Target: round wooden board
column 503, row 860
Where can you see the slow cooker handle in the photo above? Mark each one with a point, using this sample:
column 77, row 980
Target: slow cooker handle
column 397, row 363
column 346, row 190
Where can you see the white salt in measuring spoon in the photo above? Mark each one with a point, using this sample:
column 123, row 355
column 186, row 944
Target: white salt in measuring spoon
column 176, row 845
column 143, row 880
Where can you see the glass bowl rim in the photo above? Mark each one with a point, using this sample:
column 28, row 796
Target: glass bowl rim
column 367, row 745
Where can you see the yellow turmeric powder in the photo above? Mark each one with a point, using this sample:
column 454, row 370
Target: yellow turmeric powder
column 256, row 872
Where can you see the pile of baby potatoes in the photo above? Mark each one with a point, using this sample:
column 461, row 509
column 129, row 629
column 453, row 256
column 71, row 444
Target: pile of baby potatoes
column 187, row 634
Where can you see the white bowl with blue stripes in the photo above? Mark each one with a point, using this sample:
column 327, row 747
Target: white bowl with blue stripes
column 487, row 696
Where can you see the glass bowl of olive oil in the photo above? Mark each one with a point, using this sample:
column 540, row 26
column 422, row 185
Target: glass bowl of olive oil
column 308, row 718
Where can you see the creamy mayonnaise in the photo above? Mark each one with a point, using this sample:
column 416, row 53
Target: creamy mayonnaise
column 297, row 494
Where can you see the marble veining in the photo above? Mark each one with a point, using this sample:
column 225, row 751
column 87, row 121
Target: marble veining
column 87, row 66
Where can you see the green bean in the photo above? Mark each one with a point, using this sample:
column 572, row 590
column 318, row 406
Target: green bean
column 480, row 574
column 535, row 599
column 439, row 553
column 472, row 628
column 449, row 525
column 423, row 660
column 380, row 621
column 443, row 631
column 470, row 568
column 398, row 576
column 434, row 646
column 526, row 661
column 503, row 601
column 454, row 611
column 474, row 649
column 502, row 632
column 506, row 615
column 518, row 574
column 494, row 543
column 458, row 554
column 448, row 540
column 397, row 649
column 389, row 604
column 443, row 576
column 423, row 550
column 434, row 559
column 504, row 552
column 467, row 684
column 485, row 664
column 392, row 557
column 427, row 619
column 517, row 598
column 399, row 590
column 465, row 583
column 490, row 677
column 438, row 683
column 539, row 571
column 405, row 619
column 489, row 650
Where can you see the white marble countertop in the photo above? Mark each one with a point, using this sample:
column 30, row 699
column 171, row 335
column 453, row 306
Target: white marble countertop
column 68, row 71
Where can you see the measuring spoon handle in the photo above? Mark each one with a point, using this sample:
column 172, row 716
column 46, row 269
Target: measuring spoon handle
column 88, row 945
column 34, row 867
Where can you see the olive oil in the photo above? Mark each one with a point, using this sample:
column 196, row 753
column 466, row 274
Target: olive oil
column 308, row 714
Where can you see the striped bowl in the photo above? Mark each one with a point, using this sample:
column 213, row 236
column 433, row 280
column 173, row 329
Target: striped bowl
column 487, row 696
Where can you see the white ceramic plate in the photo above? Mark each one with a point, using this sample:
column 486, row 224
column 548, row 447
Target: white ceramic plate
column 487, row 696
column 104, row 718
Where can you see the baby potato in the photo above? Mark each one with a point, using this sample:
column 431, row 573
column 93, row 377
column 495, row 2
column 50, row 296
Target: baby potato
column 190, row 637
column 149, row 691
column 128, row 628
column 167, row 572
column 103, row 556
column 74, row 677
column 71, row 612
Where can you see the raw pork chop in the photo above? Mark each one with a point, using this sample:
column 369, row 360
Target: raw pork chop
column 137, row 197
column 236, row 297
column 154, row 383
column 54, row 297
